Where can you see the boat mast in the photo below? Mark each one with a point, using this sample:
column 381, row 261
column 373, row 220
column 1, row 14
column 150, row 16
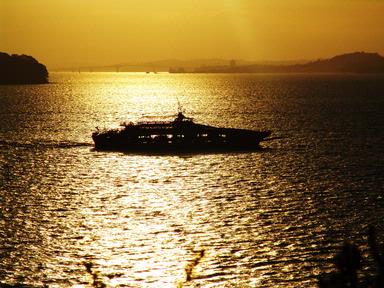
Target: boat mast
column 179, row 106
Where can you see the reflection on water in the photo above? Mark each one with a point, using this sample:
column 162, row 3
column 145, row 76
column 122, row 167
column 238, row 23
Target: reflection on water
column 271, row 218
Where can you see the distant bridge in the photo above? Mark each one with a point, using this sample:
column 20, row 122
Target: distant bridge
column 148, row 67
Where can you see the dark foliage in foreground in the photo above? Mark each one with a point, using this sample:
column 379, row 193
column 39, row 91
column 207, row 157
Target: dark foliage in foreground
column 21, row 69
column 97, row 282
column 348, row 262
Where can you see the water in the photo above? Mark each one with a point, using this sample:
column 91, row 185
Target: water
column 271, row 218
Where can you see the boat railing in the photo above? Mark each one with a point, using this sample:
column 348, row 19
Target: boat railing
column 126, row 124
column 155, row 123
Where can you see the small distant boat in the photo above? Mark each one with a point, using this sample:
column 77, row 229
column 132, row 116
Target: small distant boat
column 180, row 135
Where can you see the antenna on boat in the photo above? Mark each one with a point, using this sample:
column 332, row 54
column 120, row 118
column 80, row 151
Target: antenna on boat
column 179, row 106
column 180, row 115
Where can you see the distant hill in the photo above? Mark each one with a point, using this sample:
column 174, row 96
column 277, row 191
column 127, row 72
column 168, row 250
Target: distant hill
column 358, row 62
column 21, row 69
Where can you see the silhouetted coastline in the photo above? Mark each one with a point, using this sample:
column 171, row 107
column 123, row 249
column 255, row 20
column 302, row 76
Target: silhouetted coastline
column 21, row 69
column 357, row 62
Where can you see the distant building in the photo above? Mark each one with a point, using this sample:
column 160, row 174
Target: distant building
column 177, row 70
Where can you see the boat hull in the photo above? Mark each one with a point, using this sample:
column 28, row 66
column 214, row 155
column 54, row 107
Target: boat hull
column 126, row 144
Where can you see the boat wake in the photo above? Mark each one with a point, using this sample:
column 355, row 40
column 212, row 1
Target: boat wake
column 44, row 144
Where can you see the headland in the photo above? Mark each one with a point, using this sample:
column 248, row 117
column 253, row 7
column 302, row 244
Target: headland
column 21, row 69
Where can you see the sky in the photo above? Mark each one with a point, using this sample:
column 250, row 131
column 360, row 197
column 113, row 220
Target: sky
column 65, row 33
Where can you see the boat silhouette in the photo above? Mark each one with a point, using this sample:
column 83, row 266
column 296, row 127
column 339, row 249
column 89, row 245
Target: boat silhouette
column 180, row 135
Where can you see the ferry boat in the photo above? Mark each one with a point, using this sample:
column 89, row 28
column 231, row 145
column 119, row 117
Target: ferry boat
column 180, row 135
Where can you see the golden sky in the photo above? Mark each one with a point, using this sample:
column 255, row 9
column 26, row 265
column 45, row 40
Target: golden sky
column 61, row 33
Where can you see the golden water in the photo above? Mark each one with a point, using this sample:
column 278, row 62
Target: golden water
column 272, row 218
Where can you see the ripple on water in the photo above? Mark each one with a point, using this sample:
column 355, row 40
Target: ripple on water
column 272, row 218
